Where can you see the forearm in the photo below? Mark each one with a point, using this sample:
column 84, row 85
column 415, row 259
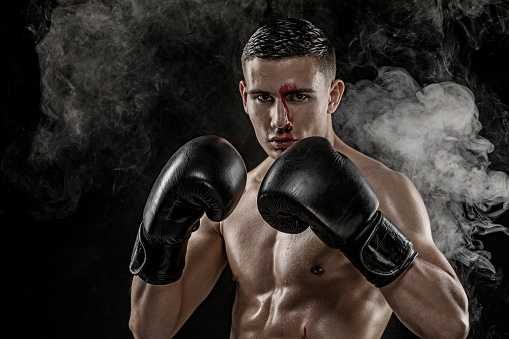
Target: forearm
column 155, row 309
column 429, row 301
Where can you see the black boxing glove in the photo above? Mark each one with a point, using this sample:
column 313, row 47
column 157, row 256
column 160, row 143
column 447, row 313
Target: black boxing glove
column 312, row 184
column 206, row 175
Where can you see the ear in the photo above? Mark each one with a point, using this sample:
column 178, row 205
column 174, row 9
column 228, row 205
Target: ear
column 336, row 92
column 243, row 93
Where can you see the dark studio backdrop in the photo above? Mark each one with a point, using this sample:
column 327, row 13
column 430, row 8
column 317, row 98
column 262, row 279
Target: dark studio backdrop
column 97, row 95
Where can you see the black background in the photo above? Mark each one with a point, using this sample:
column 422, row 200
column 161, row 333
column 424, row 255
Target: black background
column 67, row 275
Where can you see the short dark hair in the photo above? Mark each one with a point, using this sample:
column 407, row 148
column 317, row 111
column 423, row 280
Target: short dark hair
column 286, row 38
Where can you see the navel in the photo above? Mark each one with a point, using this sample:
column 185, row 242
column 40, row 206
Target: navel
column 317, row 270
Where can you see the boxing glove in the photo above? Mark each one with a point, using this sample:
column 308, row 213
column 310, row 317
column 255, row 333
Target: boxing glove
column 312, row 184
column 206, row 175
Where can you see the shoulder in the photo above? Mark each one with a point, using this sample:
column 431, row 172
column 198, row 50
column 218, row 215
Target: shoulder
column 400, row 201
column 390, row 185
column 379, row 176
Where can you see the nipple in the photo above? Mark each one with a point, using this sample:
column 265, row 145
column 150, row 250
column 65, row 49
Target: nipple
column 317, row 270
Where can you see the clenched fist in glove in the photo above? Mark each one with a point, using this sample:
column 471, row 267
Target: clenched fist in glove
column 313, row 185
column 206, row 175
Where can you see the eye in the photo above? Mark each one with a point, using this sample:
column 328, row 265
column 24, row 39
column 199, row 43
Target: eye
column 264, row 97
column 299, row 97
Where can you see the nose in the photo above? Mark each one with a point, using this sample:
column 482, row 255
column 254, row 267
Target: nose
column 279, row 117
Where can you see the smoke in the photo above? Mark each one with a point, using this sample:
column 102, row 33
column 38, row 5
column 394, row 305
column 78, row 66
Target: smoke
column 117, row 78
column 431, row 135
column 125, row 82
column 433, row 132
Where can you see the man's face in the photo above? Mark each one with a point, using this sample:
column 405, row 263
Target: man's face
column 288, row 100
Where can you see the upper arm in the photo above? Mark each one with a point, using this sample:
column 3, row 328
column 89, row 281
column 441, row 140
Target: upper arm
column 401, row 203
column 205, row 261
column 428, row 298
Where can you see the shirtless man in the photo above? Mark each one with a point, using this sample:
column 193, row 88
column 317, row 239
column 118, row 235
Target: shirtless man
column 292, row 281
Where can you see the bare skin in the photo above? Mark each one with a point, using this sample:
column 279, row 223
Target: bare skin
column 293, row 285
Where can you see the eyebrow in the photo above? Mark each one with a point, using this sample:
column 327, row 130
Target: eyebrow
column 299, row 90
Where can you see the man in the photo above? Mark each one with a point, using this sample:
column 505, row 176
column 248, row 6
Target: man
column 291, row 279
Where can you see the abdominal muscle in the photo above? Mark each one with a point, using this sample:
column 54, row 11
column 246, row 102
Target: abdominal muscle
column 293, row 286
column 290, row 312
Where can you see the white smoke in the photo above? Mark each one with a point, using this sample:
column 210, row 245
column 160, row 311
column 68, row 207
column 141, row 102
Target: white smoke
column 117, row 77
column 124, row 79
column 431, row 135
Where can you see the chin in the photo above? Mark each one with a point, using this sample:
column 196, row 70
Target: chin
column 274, row 153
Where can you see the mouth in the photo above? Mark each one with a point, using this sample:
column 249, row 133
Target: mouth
column 282, row 142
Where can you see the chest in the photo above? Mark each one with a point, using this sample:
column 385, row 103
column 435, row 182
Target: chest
column 264, row 258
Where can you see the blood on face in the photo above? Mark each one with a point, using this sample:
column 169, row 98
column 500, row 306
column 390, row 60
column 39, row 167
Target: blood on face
column 284, row 90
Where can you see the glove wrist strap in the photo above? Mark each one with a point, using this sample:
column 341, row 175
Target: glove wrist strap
column 381, row 252
column 157, row 263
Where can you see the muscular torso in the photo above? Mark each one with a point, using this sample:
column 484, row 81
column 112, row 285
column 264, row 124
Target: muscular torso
column 292, row 285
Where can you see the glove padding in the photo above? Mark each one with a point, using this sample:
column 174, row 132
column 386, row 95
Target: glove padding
column 313, row 185
column 206, row 175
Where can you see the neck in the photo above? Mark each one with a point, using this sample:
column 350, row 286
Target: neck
column 332, row 136
column 338, row 144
